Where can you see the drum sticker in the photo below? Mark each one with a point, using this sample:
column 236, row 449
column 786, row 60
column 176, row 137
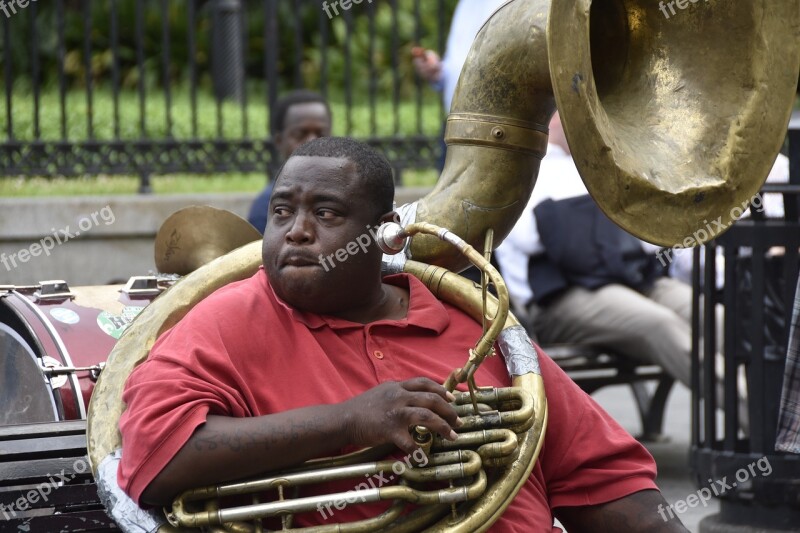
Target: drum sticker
column 115, row 325
column 67, row 316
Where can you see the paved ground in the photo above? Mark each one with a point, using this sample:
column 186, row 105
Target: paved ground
column 672, row 457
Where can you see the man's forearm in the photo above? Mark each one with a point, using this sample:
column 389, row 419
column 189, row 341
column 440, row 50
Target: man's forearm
column 637, row 512
column 227, row 448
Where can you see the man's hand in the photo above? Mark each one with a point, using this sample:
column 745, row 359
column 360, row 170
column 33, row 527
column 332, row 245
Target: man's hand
column 234, row 448
column 383, row 414
column 427, row 64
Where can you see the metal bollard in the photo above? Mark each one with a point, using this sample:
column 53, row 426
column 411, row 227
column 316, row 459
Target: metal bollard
column 227, row 57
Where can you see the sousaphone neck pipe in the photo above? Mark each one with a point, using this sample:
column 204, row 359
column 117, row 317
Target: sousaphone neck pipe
column 496, row 133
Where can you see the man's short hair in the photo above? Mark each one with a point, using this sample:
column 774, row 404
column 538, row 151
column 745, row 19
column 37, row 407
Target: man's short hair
column 372, row 167
column 282, row 105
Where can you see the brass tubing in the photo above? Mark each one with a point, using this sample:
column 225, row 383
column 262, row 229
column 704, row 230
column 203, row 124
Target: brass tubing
column 272, row 482
column 466, row 409
column 447, row 495
column 485, row 345
column 496, row 133
column 490, row 442
column 377, row 523
column 517, row 416
column 298, row 505
column 446, row 466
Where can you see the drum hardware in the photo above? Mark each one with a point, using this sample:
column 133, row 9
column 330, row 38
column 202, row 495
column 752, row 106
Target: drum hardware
column 57, row 373
column 53, row 290
column 142, row 286
column 8, row 288
column 55, row 339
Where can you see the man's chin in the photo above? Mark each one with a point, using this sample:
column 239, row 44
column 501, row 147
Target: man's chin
column 306, row 292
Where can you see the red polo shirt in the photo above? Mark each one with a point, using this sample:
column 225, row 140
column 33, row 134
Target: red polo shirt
column 244, row 352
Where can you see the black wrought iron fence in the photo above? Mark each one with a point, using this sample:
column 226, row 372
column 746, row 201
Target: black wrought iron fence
column 185, row 86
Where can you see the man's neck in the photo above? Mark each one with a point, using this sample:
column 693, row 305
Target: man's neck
column 390, row 303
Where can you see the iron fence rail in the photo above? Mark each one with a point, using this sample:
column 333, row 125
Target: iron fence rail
column 185, row 86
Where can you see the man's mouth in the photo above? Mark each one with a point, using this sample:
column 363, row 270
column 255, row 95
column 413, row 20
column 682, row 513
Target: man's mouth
column 300, row 260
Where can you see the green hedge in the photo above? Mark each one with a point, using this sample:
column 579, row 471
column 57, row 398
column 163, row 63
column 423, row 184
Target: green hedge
column 307, row 13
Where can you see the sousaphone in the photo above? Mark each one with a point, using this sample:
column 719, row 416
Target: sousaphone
column 672, row 120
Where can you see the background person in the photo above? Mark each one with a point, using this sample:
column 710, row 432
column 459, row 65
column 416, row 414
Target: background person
column 443, row 74
column 298, row 117
column 298, row 362
column 584, row 280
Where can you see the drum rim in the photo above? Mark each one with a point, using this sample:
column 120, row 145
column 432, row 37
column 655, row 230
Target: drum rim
column 7, row 329
column 80, row 404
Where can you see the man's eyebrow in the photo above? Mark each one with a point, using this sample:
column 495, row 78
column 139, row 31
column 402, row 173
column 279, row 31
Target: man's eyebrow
column 322, row 197
column 281, row 193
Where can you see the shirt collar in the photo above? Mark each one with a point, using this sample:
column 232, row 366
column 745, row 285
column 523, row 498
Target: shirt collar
column 424, row 310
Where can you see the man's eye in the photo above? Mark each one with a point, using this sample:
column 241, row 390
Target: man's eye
column 281, row 211
column 326, row 214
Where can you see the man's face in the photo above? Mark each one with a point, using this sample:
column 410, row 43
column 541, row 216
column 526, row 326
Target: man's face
column 302, row 123
column 318, row 206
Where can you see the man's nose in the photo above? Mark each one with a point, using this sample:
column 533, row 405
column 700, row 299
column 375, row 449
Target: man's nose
column 301, row 230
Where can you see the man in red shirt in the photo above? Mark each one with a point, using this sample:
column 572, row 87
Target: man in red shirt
column 308, row 359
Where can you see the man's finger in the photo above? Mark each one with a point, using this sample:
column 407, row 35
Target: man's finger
column 418, row 416
column 424, row 385
column 435, row 403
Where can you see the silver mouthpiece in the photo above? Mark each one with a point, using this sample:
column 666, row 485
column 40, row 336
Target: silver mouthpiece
column 391, row 238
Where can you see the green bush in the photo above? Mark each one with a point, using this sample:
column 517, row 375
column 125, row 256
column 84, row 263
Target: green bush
column 396, row 28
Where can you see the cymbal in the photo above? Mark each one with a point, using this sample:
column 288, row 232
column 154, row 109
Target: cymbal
column 191, row 237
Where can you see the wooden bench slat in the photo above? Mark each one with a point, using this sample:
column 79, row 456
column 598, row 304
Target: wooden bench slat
column 41, row 448
column 39, row 471
column 95, row 521
column 64, row 497
column 48, row 429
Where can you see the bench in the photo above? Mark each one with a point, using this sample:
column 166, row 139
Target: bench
column 45, row 481
column 592, row 367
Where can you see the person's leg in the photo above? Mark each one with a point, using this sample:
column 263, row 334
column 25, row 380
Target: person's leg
column 622, row 320
column 677, row 295
column 673, row 294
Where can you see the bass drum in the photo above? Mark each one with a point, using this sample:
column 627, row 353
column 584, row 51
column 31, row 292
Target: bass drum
column 54, row 341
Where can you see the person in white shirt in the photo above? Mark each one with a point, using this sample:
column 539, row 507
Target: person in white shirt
column 622, row 302
column 442, row 74
column 468, row 18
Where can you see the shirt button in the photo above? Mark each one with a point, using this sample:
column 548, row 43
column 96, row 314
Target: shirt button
column 378, row 354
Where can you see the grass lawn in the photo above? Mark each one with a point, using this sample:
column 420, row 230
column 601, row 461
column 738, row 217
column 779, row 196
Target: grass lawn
column 227, row 120
column 173, row 184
